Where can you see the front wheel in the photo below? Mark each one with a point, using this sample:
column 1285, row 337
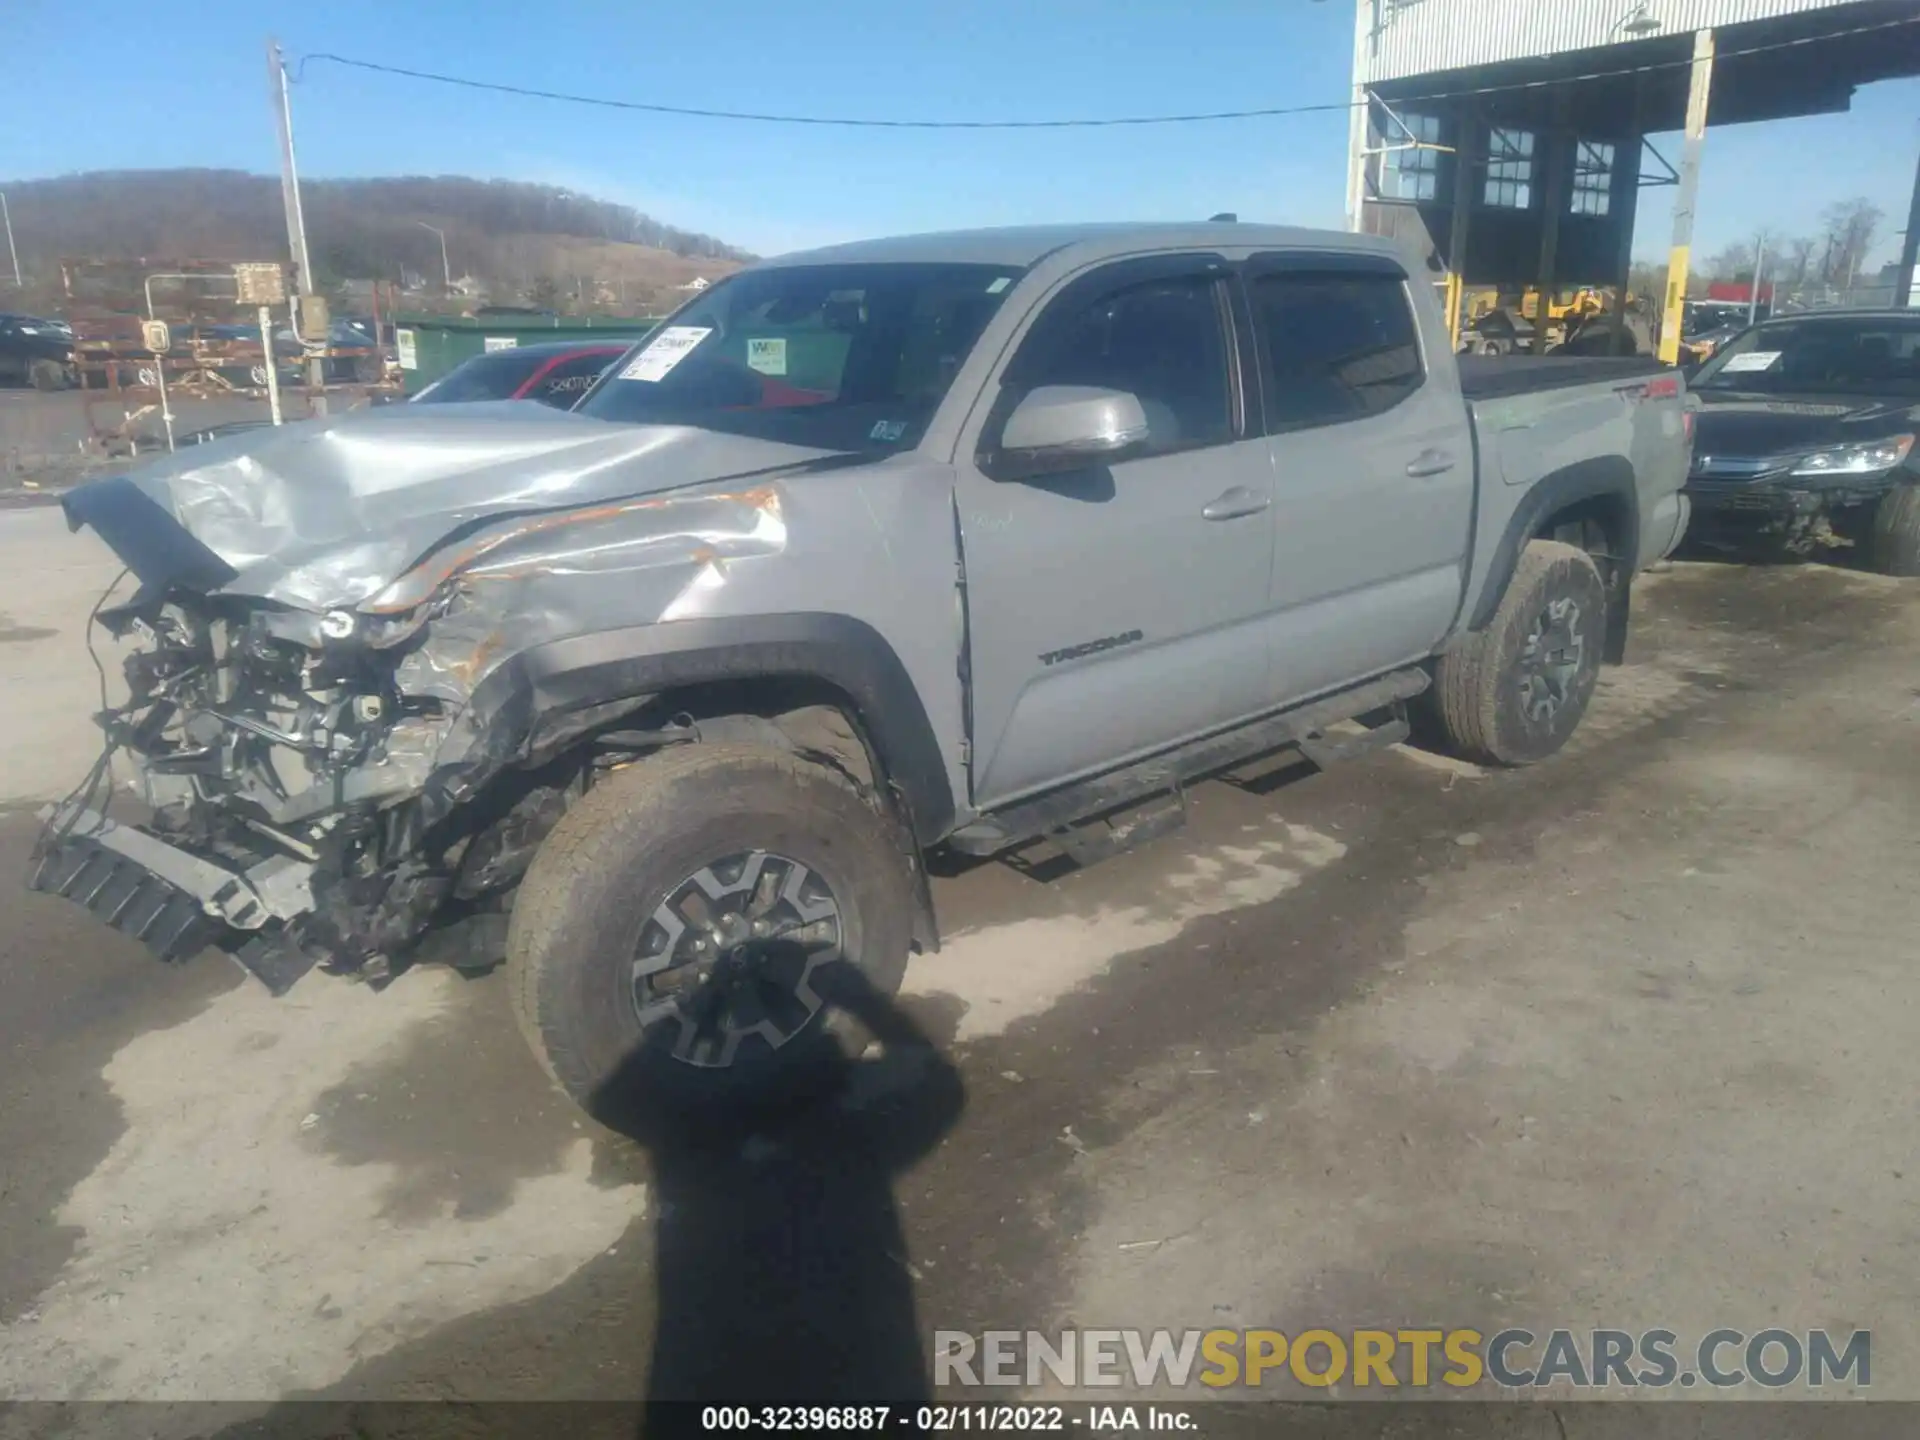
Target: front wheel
column 676, row 929
column 1514, row 692
column 1893, row 546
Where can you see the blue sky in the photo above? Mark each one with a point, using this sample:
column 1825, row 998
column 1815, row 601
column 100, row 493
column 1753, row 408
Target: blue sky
column 183, row 82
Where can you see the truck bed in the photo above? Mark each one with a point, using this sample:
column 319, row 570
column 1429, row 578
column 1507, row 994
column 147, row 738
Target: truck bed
column 1486, row 377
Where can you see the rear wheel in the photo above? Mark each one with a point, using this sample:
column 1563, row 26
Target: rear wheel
column 1515, row 692
column 1893, row 546
column 677, row 929
column 47, row 375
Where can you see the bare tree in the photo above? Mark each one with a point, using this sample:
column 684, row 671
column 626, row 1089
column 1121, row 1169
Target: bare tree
column 1850, row 228
column 1733, row 262
column 1796, row 260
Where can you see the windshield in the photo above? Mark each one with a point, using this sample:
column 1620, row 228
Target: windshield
column 493, row 376
column 1874, row 352
column 837, row 357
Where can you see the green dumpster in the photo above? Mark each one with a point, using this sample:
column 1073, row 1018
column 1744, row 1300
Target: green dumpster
column 431, row 345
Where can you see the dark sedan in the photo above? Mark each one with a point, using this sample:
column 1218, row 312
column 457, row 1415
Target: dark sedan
column 36, row 352
column 1805, row 434
column 557, row 373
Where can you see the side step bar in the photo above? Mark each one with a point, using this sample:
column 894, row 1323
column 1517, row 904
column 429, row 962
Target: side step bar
column 1057, row 811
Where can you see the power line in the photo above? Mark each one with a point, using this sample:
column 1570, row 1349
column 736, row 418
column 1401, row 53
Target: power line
column 606, row 102
column 1078, row 123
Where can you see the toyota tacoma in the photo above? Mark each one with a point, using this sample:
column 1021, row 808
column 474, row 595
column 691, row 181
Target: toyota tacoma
column 984, row 541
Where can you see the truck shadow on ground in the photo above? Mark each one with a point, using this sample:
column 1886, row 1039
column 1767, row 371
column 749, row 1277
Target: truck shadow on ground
column 781, row 1261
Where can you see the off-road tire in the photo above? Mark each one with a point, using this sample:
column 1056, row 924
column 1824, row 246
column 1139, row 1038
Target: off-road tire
column 47, row 375
column 1477, row 692
column 621, row 851
column 1893, row 544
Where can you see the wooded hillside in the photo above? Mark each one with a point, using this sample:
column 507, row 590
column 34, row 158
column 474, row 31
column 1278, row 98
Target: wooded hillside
column 515, row 237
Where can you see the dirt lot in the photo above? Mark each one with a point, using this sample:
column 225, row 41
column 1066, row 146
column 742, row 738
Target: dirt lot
column 1624, row 1040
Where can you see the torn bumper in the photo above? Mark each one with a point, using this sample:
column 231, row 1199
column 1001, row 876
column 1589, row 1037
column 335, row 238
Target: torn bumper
column 172, row 900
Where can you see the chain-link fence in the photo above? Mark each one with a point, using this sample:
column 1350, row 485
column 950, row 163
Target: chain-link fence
column 1831, row 297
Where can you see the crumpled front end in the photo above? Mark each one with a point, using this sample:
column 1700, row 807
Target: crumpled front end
column 320, row 782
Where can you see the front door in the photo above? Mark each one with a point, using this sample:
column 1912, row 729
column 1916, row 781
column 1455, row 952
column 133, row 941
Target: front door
column 1117, row 609
column 1373, row 471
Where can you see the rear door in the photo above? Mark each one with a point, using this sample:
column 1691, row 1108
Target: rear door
column 1373, row 469
column 1116, row 609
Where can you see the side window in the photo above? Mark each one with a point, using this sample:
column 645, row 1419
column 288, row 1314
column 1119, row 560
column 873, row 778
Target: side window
column 571, row 379
column 1161, row 340
column 1337, row 347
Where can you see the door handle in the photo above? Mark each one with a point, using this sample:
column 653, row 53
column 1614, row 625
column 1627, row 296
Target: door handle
column 1235, row 503
column 1430, row 462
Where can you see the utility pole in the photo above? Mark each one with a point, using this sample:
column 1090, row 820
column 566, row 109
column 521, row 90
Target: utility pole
column 1904, row 292
column 1699, row 87
column 1359, row 118
column 1759, row 259
column 446, row 270
column 15, row 254
column 296, row 220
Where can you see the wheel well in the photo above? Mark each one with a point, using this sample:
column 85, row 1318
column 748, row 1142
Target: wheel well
column 1603, row 526
column 819, row 720
column 815, row 717
column 1598, row 525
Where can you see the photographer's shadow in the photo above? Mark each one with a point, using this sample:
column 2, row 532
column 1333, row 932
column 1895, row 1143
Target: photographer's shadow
column 782, row 1265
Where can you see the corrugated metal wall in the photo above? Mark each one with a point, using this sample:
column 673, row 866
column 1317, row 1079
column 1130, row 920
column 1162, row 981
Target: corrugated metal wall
column 1419, row 37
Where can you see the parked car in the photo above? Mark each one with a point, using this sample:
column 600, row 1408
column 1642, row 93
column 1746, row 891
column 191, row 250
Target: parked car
column 1806, row 436
column 970, row 541
column 556, row 373
column 36, row 352
column 355, row 356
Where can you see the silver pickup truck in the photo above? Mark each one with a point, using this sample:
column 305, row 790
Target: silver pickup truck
column 985, row 541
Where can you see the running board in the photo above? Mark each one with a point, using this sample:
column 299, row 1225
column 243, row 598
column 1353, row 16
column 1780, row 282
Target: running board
column 1048, row 816
column 1327, row 751
column 1092, row 841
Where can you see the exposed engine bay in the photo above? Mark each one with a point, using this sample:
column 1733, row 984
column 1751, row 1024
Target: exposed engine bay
column 337, row 751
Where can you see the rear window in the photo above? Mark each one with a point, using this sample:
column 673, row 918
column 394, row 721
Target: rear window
column 1336, row 347
column 493, row 376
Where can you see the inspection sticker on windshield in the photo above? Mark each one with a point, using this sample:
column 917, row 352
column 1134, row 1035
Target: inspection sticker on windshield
column 664, row 351
column 1752, row 360
column 767, row 355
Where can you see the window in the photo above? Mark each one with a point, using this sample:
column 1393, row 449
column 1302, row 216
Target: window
column 566, row 382
column 1337, row 347
column 1592, row 178
column 494, row 375
column 1160, row 340
column 1412, row 174
column 851, row 357
column 1509, row 170
column 1828, row 352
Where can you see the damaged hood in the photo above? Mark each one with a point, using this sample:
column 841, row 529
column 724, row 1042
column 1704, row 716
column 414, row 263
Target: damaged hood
column 325, row 513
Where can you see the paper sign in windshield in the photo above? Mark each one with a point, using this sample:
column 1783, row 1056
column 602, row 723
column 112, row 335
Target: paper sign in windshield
column 664, row 351
column 768, row 356
column 1752, row 360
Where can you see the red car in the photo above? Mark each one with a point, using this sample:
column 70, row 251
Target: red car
column 555, row 373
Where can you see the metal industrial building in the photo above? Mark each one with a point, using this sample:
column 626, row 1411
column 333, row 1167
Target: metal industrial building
column 1506, row 137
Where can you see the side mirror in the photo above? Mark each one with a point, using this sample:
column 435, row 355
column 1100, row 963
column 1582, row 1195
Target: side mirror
column 1063, row 427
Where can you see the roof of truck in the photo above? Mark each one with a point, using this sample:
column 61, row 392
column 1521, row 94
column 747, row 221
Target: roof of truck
column 1026, row 245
